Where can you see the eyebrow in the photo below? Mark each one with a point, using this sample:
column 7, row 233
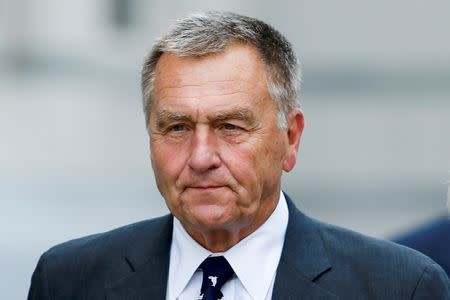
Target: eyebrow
column 241, row 114
column 164, row 117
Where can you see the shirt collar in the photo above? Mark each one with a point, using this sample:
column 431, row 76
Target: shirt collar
column 255, row 259
column 186, row 254
column 259, row 253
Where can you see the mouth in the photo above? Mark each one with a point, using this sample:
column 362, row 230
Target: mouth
column 205, row 187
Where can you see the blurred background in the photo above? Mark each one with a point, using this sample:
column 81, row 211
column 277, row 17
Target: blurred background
column 74, row 157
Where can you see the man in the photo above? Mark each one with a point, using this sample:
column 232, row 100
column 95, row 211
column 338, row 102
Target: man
column 220, row 101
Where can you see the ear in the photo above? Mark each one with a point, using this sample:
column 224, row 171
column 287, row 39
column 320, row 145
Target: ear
column 294, row 132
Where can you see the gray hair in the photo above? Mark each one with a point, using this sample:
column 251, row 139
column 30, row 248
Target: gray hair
column 211, row 32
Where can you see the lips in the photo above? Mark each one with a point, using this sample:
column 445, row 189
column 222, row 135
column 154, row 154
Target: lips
column 203, row 184
column 205, row 187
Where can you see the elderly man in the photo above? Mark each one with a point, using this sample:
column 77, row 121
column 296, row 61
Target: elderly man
column 220, row 101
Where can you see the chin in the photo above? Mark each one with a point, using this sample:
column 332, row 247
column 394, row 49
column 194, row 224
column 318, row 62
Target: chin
column 212, row 217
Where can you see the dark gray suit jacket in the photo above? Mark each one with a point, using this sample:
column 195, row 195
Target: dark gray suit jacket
column 319, row 261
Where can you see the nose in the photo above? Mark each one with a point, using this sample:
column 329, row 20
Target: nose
column 204, row 154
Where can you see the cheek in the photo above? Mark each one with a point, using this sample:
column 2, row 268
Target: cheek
column 167, row 162
column 242, row 163
column 258, row 164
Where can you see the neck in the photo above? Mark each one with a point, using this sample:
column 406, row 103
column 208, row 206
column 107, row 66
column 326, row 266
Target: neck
column 217, row 240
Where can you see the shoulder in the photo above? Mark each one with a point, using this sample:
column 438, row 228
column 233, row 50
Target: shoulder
column 83, row 266
column 353, row 264
column 350, row 246
column 433, row 235
column 432, row 239
column 118, row 240
column 380, row 267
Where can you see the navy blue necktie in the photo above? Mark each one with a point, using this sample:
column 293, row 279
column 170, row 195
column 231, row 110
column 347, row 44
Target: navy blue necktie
column 216, row 271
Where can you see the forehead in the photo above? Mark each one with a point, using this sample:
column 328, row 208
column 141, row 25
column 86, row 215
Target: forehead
column 238, row 68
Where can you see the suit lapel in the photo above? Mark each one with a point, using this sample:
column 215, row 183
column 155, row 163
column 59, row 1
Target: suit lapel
column 303, row 260
column 146, row 277
column 291, row 284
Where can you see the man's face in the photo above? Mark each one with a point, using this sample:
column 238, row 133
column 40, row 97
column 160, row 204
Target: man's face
column 216, row 149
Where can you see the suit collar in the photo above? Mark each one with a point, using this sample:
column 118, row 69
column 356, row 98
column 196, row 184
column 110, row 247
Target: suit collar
column 145, row 276
column 303, row 260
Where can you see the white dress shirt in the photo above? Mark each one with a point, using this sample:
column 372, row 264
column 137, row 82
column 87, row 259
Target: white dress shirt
column 254, row 261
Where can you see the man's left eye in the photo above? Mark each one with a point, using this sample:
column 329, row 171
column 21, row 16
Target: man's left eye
column 178, row 127
column 228, row 126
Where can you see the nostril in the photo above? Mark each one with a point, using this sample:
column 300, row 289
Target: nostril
column 204, row 161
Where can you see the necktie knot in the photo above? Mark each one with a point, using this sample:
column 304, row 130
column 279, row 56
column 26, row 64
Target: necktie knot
column 216, row 271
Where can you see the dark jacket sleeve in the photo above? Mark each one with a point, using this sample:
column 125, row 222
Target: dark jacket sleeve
column 433, row 284
column 39, row 283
